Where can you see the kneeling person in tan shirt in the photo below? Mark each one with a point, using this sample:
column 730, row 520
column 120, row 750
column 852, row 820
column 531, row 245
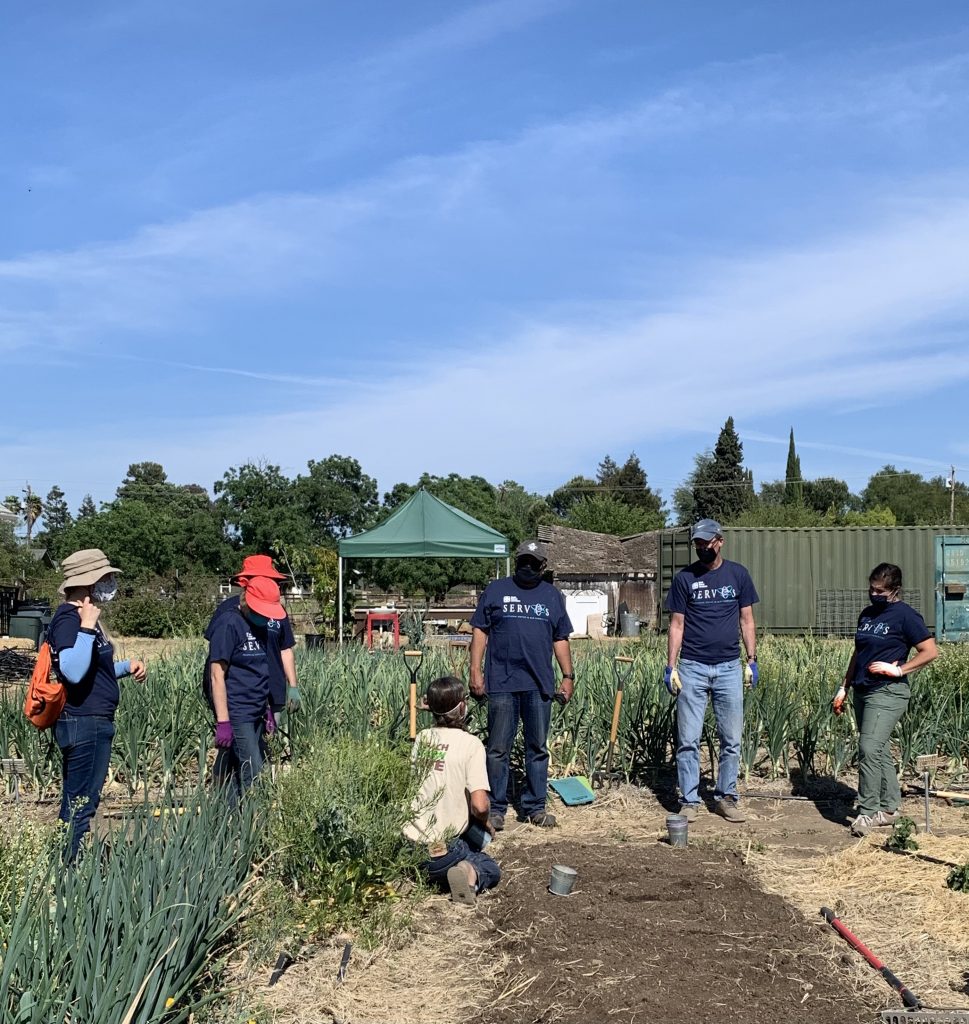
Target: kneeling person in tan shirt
column 451, row 808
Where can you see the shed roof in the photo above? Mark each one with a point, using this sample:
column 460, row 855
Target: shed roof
column 583, row 553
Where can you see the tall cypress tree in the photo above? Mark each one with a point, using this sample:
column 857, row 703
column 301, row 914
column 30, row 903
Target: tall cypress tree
column 722, row 488
column 793, row 481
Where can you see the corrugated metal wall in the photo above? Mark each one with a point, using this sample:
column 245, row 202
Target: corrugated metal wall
column 807, row 578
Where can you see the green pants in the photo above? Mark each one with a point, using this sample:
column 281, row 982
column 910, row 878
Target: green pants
column 877, row 712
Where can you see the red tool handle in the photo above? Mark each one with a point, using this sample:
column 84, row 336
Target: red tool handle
column 908, row 997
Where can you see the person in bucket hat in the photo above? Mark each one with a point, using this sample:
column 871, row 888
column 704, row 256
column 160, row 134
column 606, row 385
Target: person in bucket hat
column 241, row 690
column 285, row 691
column 83, row 659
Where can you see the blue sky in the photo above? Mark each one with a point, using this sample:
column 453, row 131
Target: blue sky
column 499, row 238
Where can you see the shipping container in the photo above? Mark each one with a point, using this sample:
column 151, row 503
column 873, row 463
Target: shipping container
column 815, row 579
column 952, row 588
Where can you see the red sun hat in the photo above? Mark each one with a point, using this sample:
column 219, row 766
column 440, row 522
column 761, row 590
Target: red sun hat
column 262, row 596
column 259, row 565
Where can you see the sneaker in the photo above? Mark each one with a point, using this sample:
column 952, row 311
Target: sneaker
column 542, row 820
column 886, row 819
column 457, row 882
column 862, row 825
column 497, row 822
column 730, row 809
column 689, row 811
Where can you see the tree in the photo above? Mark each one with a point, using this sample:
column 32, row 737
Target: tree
column 29, row 508
column 337, row 499
column 605, row 513
column 914, row 500
column 827, row 494
column 258, row 503
column 628, row 484
column 793, row 481
column 146, row 481
column 562, row 499
column 87, row 508
column 57, row 519
column 721, row 488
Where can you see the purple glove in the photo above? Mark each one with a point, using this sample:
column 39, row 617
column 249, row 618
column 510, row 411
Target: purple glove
column 223, row 734
column 270, row 722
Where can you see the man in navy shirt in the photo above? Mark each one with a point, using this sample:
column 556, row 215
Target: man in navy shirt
column 710, row 603
column 520, row 622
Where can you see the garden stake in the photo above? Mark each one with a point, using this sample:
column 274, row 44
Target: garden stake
column 283, row 961
column 341, row 974
column 409, row 658
column 925, row 763
column 599, row 779
column 915, row 1010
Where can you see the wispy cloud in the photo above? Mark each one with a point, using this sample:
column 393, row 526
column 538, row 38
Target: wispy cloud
column 868, row 454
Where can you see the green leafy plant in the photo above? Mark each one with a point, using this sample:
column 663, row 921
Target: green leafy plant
column 958, row 878
column 901, row 840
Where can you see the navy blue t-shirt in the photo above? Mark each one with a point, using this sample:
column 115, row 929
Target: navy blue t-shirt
column 885, row 633
column 97, row 693
column 247, row 688
column 710, row 600
column 278, row 636
column 522, row 625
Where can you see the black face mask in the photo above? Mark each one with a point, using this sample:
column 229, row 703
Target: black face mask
column 878, row 600
column 707, row 555
column 528, row 576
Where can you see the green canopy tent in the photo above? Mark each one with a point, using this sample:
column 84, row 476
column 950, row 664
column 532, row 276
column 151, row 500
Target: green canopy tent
column 423, row 527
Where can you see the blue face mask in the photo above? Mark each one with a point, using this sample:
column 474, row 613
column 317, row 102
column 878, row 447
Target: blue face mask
column 878, row 599
column 261, row 621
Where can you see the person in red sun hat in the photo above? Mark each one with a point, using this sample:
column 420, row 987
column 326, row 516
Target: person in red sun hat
column 240, row 673
column 284, row 691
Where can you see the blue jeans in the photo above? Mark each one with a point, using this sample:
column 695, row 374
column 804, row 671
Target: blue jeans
column 236, row 767
column 724, row 685
column 504, row 711
column 489, row 874
column 85, row 742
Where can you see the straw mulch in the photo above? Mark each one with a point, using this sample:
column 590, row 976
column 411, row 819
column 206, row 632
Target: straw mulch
column 897, row 904
column 435, row 976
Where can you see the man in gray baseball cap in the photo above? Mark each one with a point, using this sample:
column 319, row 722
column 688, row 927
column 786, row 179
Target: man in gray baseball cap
column 711, row 605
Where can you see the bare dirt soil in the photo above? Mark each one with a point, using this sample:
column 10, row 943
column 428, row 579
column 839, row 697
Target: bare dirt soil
column 655, row 934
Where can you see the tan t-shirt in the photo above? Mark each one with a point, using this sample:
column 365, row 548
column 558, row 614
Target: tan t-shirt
column 458, row 768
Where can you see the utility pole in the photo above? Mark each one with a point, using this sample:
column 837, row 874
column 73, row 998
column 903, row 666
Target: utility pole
column 951, row 484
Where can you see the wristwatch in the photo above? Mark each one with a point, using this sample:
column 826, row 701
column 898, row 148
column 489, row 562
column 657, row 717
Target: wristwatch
column 569, row 675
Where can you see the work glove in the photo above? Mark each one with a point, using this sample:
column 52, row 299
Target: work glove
column 270, row 721
column 838, row 704
column 671, row 680
column 223, row 734
column 886, row 668
column 752, row 674
column 293, row 700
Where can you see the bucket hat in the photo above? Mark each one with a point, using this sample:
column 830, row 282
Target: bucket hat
column 85, row 568
column 262, row 596
column 260, row 565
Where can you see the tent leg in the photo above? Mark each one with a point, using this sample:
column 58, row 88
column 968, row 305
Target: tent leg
column 339, row 602
column 507, row 566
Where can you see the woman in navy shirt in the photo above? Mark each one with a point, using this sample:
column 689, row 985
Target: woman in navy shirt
column 240, row 674
column 83, row 658
column 887, row 630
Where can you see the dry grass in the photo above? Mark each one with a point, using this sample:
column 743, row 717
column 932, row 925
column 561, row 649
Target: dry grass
column 897, row 904
column 435, row 976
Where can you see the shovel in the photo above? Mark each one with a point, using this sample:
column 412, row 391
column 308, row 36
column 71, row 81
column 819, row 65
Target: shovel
column 621, row 667
column 412, row 661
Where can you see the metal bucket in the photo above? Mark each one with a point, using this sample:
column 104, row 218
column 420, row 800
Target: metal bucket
column 629, row 624
column 562, row 880
column 677, row 828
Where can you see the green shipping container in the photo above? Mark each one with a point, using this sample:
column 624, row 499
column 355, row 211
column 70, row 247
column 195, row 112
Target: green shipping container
column 815, row 580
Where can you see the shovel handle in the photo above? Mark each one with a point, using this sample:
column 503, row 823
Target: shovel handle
column 413, row 654
column 623, row 659
column 616, row 708
column 413, row 710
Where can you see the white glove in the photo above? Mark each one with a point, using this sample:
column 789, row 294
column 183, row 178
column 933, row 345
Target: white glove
column 886, row 668
column 838, row 704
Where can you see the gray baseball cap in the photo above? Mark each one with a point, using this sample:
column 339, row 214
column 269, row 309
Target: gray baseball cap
column 534, row 548
column 706, row 529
